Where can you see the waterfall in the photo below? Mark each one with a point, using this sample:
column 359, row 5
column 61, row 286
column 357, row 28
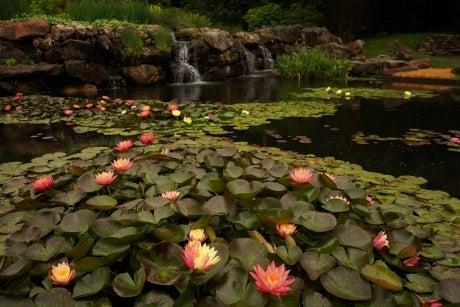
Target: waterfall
column 267, row 57
column 248, row 59
column 183, row 72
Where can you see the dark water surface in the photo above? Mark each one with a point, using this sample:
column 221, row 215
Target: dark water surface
column 329, row 135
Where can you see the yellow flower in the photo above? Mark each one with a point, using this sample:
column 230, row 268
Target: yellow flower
column 338, row 92
column 176, row 113
column 407, row 94
column 197, row 256
column 328, row 89
column 245, row 112
column 285, row 229
column 197, row 235
column 187, row 120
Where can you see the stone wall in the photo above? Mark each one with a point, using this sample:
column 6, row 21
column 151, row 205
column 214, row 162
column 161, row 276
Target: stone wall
column 48, row 58
column 440, row 45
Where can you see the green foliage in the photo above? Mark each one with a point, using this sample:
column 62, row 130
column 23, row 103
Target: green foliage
column 305, row 15
column 88, row 10
column 163, row 39
column 9, row 62
column 132, row 41
column 176, row 18
column 311, row 64
column 48, row 7
column 267, row 15
column 13, row 8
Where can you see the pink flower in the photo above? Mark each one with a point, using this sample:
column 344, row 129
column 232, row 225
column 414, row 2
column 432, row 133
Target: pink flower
column 76, row 106
column 431, row 303
column 122, row 164
column 274, row 280
column 19, row 108
column 17, row 98
column 117, row 100
column 105, row 178
column 7, row 108
column 199, row 257
column 171, row 195
column 301, row 175
column 370, row 200
column 130, row 102
column 285, row 229
column 42, row 183
column 105, row 98
column 147, row 138
column 124, row 145
column 411, row 261
column 144, row 114
column 89, row 106
column 173, row 107
column 61, row 274
column 68, row 112
column 381, row 240
column 342, row 198
column 455, row 141
column 197, row 235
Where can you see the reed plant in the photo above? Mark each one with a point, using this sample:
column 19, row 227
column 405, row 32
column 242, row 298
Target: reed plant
column 132, row 41
column 13, row 8
column 177, row 18
column 163, row 39
column 90, row 10
column 311, row 64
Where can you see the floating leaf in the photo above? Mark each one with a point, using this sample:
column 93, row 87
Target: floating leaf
column 102, row 202
column 244, row 189
column 382, row 276
column 77, row 222
column 249, row 252
column 108, row 246
column 55, row 297
column 91, row 283
column 448, row 289
column 420, row 283
column 44, row 252
column 317, row 221
column 316, row 264
column 125, row 286
column 347, row 284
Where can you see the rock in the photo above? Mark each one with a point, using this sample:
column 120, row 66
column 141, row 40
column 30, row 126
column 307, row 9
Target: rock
column 24, row 29
column 356, row 50
column 75, row 49
column 312, row 36
column 334, row 50
column 92, row 72
column 456, row 70
column 283, row 34
column 86, row 89
column 144, row 74
column 19, row 71
column 400, row 52
column 247, row 38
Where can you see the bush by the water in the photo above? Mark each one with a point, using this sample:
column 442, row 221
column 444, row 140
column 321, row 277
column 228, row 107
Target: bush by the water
column 13, row 8
column 312, row 64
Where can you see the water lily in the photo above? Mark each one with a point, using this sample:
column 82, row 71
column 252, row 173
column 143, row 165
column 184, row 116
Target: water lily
column 370, row 200
column 407, row 94
column 122, row 164
column 171, row 195
column 146, row 138
column 105, row 98
column 273, row 280
column 130, row 102
column 330, row 176
column 42, row 183
column 105, row 178
column 455, row 141
column 411, row 261
column 338, row 92
column 7, row 108
column 173, row 107
column 197, row 235
column 187, row 120
column 144, row 113
column 301, row 175
column 328, row 89
column 117, row 100
column 198, row 256
column 176, row 113
column 124, row 145
column 89, row 105
column 381, row 240
column 340, row 197
column 61, row 274
column 285, row 229
column 245, row 112
column 431, row 303
column 68, row 112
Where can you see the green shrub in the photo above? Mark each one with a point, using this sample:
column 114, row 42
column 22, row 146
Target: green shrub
column 267, row 15
column 48, row 7
column 176, row 18
column 132, row 41
column 305, row 15
column 13, row 8
column 163, row 39
column 311, row 64
column 90, row 10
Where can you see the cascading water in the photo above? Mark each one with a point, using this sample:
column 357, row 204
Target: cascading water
column 267, row 57
column 247, row 58
column 183, row 72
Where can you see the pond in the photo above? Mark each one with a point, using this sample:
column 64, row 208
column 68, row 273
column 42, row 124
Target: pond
column 392, row 136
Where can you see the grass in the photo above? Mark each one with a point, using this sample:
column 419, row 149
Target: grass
column 379, row 45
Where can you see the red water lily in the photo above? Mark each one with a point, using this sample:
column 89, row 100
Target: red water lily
column 68, row 112
column 122, row 164
column 105, row 178
column 381, row 240
column 171, row 195
column 124, row 145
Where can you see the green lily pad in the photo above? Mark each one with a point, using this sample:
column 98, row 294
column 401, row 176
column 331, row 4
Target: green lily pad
column 316, row 264
column 382, row 276
column 77, row 222
column 102, row 202
column 91, row 283
column 126, row 286
column 420, row 283
column 347, row 284
column 244, row 189
column 316, row 221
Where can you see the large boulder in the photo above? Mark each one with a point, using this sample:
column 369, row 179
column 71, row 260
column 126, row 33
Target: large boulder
column 144, row 74
column 218, row 39
column 93, row 73
column 24, row 29
column 21, row 71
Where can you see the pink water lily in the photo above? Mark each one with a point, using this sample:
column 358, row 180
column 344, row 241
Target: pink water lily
column 171, row 195
column 43, row 183
column 105, row 178
column 197, row 235
column 68, row 112
column 301, row 175
column 124, row 145
column 411, row 261
column 122, row 164
column 381, row 240
column 61, row 274
column 198, row 256
column 146, row 138
column 285, row 229
column 274, row 280
column 455, row 141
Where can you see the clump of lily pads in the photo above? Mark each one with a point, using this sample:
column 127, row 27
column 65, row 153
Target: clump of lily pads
column 142, row 223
